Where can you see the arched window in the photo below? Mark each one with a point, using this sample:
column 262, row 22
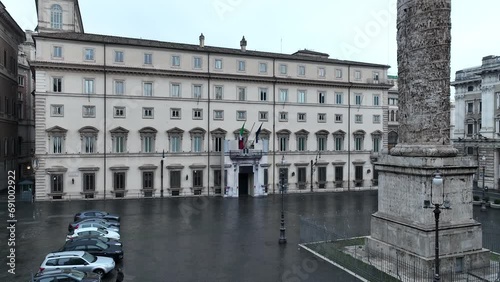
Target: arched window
column 56, row 19
column 392, row 115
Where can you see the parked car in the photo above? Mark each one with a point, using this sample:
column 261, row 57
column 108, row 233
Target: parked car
column 69, row 275
column 94, row 219
column 95, row 247
column 86, row 224
column 93, row 231
column 105, row 240
column 78, row 260
column 95, row 213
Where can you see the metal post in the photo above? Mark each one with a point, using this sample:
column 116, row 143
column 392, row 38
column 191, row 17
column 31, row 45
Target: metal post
column 312, row 172
column 437, row 211
column 282, row 239
column 162, row 158
column 483, row 202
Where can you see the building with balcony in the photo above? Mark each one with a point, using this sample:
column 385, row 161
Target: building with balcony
column 477, row 117
column 11, row 35
column 109, row 108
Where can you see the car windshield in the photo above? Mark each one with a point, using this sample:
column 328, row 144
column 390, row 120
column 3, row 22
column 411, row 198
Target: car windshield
column 88, row 257
column 101, row 245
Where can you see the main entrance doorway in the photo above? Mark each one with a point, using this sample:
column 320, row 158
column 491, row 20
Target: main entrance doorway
column 245, row 180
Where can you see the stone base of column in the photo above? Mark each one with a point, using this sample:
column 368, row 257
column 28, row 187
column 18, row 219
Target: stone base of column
column 459, row 262
column 424, row 150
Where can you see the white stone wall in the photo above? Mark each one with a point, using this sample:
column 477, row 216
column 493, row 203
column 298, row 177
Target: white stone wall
column 73, row 69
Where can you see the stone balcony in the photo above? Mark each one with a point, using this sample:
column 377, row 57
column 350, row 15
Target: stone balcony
column 245, row 154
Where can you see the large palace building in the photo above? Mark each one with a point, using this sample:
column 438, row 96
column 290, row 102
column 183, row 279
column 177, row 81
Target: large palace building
column 477, row 118
column 111, row 110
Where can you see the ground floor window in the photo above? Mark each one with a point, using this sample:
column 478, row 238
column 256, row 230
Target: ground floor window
column 175, row 182
column 197, row 181
column 321, row 177
column 358, row 175
column 302, row 178
column 217, row 181
column 119, row 184
column 57, row 183
column 339, row 176
column 148, row 183
column 375, row 177
column 266, row 179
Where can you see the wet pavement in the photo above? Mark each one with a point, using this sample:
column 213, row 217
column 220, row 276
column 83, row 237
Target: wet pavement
column 202, row 239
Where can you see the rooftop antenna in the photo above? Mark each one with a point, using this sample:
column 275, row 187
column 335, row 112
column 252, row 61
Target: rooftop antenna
column 281, row 47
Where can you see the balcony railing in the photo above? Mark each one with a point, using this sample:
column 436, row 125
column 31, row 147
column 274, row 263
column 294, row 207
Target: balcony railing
column 245, row 154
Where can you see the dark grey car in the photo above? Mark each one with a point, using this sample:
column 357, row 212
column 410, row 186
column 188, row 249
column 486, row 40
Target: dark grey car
column 96, row 213
column 70, row 275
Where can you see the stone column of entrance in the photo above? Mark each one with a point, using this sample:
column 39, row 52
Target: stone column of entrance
column 257, row 180
column 402, row 227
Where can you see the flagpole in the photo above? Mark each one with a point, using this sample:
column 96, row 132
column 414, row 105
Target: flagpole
column 246, row 141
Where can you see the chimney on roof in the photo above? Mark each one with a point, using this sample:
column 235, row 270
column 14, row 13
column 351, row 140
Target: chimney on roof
column 202, row 40
column 243, row 44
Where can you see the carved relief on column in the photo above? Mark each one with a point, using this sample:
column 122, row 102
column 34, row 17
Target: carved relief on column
column 424, row 39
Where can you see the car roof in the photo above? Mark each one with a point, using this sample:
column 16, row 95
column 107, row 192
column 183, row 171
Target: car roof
column 83, row 242
column 92, row 211
column 86, row 229
column 92, row 219
column 65, row 254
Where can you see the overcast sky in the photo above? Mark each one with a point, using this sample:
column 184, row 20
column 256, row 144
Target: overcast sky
column 363, row 30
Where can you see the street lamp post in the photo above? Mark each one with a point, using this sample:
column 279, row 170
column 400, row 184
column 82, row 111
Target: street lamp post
column 312, row 172
column 161, row 182
column 483, row 202
column 437, row 211
column 282, row 239
column 437, row 201
column 312, row 168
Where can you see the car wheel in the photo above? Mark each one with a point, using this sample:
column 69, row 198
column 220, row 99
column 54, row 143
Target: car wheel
column 99, row 272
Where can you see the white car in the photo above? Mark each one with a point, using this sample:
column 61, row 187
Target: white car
column 93, row 232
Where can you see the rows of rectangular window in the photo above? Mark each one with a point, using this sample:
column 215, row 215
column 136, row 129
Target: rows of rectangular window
column 322, row 143
column 175, row 178
column 321, row 176
column 89, row 111
column 241, row 92
column 9, row 62
column 10, row 107
column 89, row 55
column 119, row 143
column 8, row 147
column 120, row 180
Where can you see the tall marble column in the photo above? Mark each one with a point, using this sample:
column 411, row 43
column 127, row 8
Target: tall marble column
column 402, row 226
column 424, row 42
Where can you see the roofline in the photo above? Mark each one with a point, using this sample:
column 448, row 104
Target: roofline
column 110, row 39
column 12, row 22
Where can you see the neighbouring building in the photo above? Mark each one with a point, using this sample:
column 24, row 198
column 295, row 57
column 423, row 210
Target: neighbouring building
column 26, row 108
column 392, row 102
column 477, row 118
column 11, row 35
column 107, row 108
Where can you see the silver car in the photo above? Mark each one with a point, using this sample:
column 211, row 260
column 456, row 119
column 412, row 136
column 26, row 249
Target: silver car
column 78, row 260
column 98, row 225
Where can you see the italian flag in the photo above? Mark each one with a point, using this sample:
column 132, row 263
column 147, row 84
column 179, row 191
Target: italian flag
column 241, row 144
